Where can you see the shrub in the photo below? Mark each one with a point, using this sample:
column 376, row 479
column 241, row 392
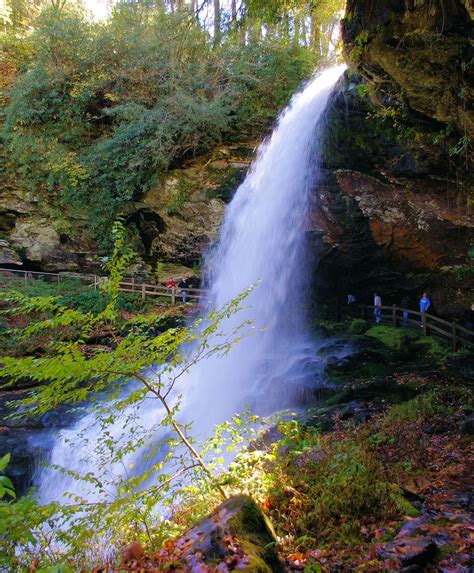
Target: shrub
column 358, row 326
column 104, row 110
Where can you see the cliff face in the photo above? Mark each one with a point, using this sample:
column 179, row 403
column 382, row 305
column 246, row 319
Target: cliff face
column 169, row 228
column 416, row 53
column 395, row 211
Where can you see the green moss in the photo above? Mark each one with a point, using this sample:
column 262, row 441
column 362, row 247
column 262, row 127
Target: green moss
column 255, row 534
column 225, row 184
column 425, row 406
column 179, row 197
column 362, row 39
column 393, row 338
column 336, row 373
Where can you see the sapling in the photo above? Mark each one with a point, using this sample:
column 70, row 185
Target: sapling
column 115, row 501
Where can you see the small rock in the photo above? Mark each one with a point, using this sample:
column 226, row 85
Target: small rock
column 467, row 426
column 423, row 552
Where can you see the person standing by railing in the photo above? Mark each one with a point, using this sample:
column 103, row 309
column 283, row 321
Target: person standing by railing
column 377, row 307
column 351, row 300
column 425, row 304
column 183, row 285
column 405, row 304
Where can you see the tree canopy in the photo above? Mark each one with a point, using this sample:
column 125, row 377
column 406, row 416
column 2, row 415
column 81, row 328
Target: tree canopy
column 95, row 112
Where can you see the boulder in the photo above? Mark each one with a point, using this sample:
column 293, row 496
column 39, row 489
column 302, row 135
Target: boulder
column 236, row 536
column 467, row 426
column 8, row 256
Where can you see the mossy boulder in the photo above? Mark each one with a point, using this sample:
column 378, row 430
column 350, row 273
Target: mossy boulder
column 236, row 533
column 406, row 345
column 366, row 358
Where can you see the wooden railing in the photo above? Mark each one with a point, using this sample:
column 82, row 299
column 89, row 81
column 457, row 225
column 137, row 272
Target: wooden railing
column 430, row 324
column 457, row 334
column 175, row 294
column 129, row 285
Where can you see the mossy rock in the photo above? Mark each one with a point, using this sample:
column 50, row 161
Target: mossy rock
column 237, row 529
column 368, row 358
column 386, row 390
column 407, row 344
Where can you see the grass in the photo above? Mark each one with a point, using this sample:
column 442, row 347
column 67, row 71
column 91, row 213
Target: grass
column 423, row 407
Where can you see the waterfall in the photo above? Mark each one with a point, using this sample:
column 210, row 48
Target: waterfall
column 262, row 242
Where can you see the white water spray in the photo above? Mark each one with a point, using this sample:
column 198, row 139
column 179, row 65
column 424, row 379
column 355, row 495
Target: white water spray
column 262, row 239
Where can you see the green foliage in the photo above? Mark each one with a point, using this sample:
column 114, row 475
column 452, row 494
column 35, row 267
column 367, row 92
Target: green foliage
column 362, row 39
column 358, row 326
column 178, row 199
column 409, row 343
column 149, row 364
column 394, row 338
column 461, row 146
column 425, row 407
column 314, row 484
column 362, row 90
column 6, row 486
column 103, row 110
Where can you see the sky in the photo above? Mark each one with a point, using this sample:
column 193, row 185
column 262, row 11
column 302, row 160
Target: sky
column 99, row 8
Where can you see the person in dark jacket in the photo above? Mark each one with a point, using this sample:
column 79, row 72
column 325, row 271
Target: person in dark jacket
column 468, row 317
column 183, row 285
column 405, row 304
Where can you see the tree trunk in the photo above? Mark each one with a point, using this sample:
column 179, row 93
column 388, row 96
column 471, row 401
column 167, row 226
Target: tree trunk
column 296, row 32
column 303, row 31
column 217, row 23
column 315, row 34
column 286, row 26
column 234, row 15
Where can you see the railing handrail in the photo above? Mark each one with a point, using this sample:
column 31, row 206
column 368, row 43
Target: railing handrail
column 198, row 294
column 139, row 287
column 416, row 312
column 426, row 322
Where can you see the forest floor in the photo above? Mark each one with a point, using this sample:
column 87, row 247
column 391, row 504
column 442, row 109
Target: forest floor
column 387, row 488
column 424, row 446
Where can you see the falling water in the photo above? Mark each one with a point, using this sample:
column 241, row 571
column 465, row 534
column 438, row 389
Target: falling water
column 262, row 242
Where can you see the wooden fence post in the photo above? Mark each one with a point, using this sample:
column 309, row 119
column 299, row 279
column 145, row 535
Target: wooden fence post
column 423, row 321
column 173, row 295
column 455, row 342
column 143, row 291
column 394, row 314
